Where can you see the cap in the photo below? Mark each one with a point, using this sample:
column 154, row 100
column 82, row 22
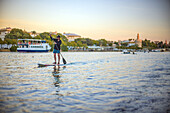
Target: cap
column 58, row 36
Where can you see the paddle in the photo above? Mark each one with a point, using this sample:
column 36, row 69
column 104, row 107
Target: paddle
column 64, row 61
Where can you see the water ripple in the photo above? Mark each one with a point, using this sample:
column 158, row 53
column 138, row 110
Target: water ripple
column 90, row 82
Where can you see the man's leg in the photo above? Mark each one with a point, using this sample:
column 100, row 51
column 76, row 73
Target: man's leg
column 58, row 58
column 55, row 57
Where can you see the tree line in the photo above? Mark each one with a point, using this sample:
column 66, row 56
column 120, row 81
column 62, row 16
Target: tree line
column 15, row 34
column 145, row 44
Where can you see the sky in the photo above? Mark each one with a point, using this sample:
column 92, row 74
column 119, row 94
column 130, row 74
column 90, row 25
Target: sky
column 96, row 19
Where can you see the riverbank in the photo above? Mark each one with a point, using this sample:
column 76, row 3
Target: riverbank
column 5, row 50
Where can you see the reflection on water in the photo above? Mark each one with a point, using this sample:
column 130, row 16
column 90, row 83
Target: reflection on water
column 90, row 82
column 56, row 74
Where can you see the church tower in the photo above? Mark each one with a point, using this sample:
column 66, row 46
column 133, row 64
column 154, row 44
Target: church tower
column 138, row 36
column 138, row 41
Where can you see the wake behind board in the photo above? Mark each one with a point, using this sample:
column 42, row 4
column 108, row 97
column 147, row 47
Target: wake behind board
column 44, row 65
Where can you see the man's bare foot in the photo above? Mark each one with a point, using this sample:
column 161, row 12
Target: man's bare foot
column 54, row 63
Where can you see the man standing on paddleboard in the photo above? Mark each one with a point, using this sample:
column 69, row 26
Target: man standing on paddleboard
column 56, row 48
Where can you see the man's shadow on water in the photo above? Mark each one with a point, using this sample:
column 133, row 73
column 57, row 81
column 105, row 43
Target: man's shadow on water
column 56, row 74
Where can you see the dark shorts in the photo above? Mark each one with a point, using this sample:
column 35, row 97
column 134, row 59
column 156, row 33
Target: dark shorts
column 56, row 51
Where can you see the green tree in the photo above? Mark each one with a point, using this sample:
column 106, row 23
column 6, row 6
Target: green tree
column 102, row 42
column 15, row 31
column 110, row 44
column 160, row 44
column 96, row 42
column 89, row 41
column 72, row 43
column 1, row 41
column 8, row 41
column 145, row 43
column 124, row 44
column 18, row 34
column 116, row 43
column 13, row 49
column 45, row 35
column 153, row 45
column 64, row 46
column 33, row 32
column 86, row 41
column 37, row 37
column 79, row 44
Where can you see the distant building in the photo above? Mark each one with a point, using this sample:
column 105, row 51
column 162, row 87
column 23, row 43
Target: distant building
column 55, row 33
column 125, row 41
column 114, row 45
column 4, row 32
column 33, row 34
column 131, row 44
column 119, row 42
column 95, row 48
column 6, row 46
column 138, row 41
column 71, row 36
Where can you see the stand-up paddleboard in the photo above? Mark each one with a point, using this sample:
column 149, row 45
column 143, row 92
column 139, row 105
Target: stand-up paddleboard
column 44, row 65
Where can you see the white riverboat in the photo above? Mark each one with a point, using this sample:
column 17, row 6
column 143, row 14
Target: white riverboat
column 32, row 45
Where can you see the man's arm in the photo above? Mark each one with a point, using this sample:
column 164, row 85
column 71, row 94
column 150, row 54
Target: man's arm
column 51, row 37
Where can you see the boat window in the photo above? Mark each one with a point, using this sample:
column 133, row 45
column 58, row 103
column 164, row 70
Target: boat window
column 36, row 46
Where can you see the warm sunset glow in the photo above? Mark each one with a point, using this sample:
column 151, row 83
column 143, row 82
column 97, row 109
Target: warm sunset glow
column 96, row 19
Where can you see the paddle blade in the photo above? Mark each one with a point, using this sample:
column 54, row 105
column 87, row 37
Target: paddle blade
column 64, row 61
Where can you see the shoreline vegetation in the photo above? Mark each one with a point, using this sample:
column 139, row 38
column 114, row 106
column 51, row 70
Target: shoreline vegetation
column 80, row 44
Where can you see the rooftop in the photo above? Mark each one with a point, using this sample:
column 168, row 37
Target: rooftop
column 6, row 29
column 71, row 35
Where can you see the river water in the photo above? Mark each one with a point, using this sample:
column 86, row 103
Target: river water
column 102, row 82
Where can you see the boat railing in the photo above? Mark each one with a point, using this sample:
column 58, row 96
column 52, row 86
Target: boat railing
column 29, row 43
